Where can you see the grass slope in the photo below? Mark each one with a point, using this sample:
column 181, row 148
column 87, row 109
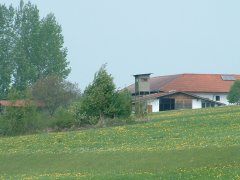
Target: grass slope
column 189, row 144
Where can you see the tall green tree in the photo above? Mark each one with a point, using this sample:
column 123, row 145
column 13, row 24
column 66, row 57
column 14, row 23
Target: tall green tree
column 36, row 47
column 53, row 54
column 234, row 94
column 6, row 48
column 26, row 51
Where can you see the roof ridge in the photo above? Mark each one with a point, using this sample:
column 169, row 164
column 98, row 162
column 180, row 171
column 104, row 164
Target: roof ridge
column 207, row 74
column 166, row 75
column 192, row 74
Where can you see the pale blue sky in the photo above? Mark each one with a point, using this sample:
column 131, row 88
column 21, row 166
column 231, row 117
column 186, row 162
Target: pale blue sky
column 141, row 36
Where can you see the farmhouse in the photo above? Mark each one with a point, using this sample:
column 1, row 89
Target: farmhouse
column 182, row 91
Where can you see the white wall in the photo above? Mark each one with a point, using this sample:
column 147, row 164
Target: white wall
column 155, row 104
column 212, row 96
column 196, row 104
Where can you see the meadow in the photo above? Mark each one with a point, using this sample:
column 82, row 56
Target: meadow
column 185, row 144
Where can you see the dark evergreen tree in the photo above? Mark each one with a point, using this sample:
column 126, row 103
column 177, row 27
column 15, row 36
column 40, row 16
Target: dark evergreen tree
column 99, row 96
column 100, row 100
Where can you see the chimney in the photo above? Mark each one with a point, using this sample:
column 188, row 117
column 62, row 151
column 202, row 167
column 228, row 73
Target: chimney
column 142, row 84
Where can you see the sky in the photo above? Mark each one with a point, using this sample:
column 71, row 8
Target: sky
column 162, row 37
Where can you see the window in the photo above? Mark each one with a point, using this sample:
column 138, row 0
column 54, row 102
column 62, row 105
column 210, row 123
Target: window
column 206, row 104
column 217, row 98
column 144, row 93
column 144, row 79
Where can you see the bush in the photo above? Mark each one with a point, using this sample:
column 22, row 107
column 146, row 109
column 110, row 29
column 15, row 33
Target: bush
column 140, row 108
column 80, row 116
column 19, row 120
column 63, row 119
column 123, row 104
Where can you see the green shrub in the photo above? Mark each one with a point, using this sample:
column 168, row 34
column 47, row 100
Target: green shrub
column 19, row 120
column 123, row 104
column 140, row 108
column 63, row 119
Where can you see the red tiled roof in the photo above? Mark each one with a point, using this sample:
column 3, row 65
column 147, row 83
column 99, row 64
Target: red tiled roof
column 156, row 83
column 19, row 103
column 212, row 83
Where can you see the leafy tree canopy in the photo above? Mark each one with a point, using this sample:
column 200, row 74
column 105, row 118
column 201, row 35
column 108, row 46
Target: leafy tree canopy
column 54, row 91
column 30, row 47
column 6, row 48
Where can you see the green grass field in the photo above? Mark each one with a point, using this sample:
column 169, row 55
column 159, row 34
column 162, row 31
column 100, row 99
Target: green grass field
column 189, row 144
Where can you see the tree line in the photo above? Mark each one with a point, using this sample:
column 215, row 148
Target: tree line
column 34, row 68
column 65, row 107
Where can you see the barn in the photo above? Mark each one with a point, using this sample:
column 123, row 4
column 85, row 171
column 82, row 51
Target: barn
column 182, row 91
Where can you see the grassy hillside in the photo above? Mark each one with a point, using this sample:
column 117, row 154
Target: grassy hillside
column 203, row 144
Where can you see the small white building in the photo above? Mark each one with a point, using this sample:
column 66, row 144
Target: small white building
column 183, row 91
